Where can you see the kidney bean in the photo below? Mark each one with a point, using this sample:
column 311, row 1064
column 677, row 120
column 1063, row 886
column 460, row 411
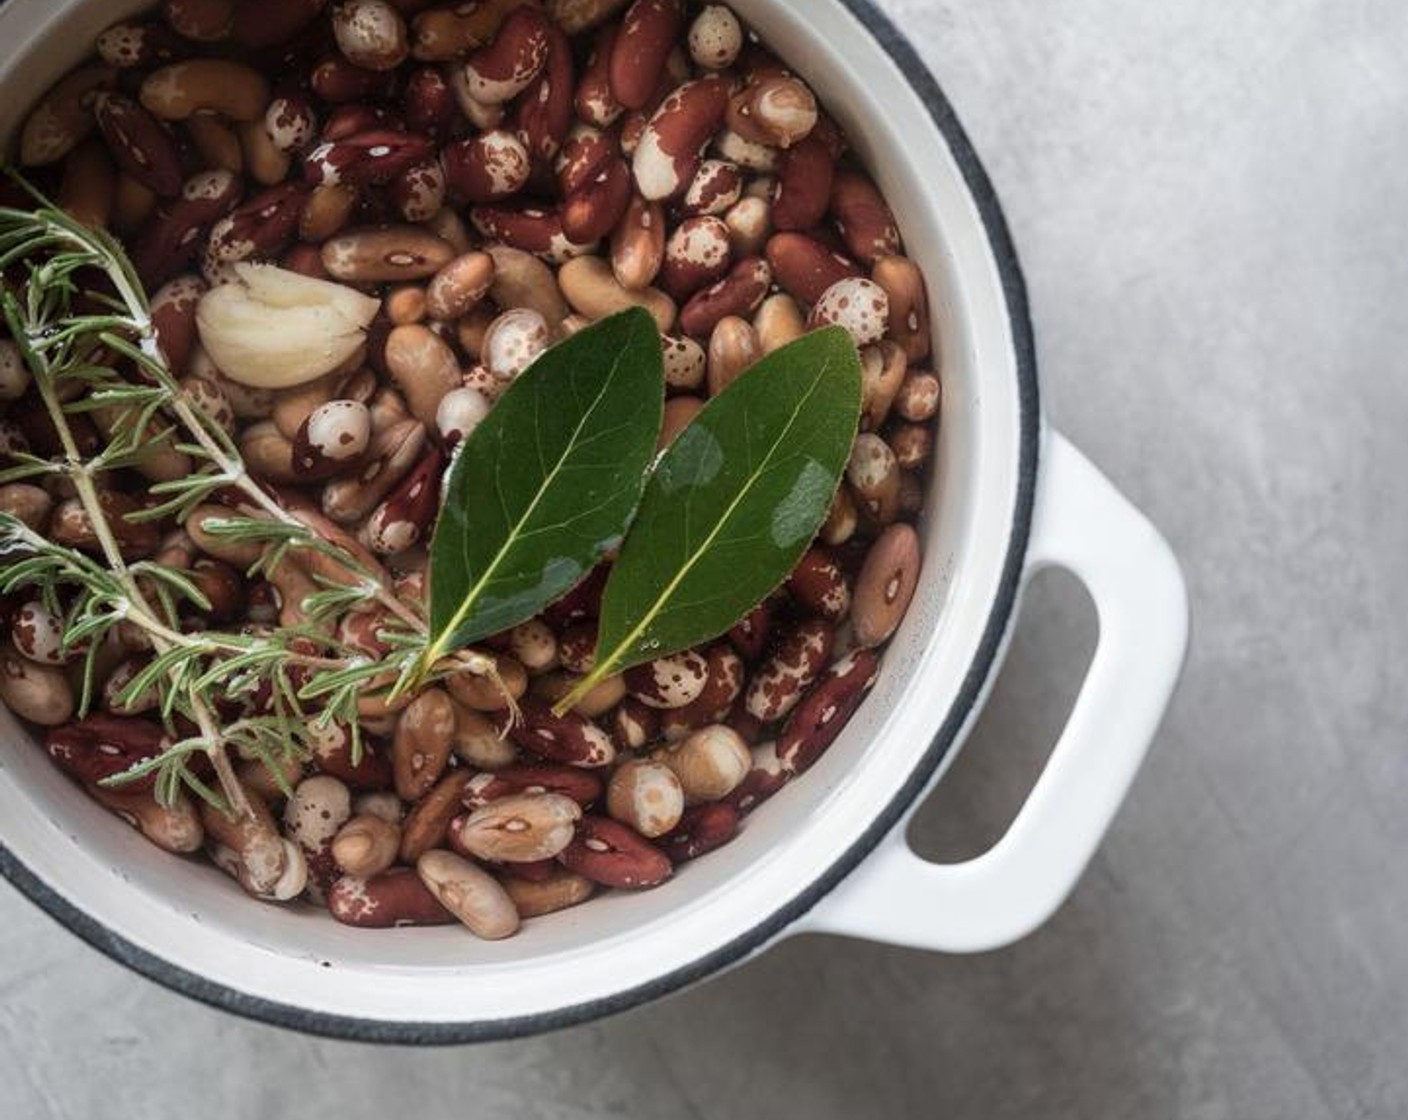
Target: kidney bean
column 819, row 586
column 493, row 165
column 140, row 145
column 403, row 518
column 739, row 293
column 818, row 719
column 484, row 693
column 427, row 824
column 340, row 82
column 883, row 369
column 863, row 217
column 779, row 682
column 633, row 724
column 764, row 779
column 746, row 153
column 912, row 444
column 99, row 746
column 696, row 255
column 266, row 865
column 669, row 682
column 701, row 829
column 502, row 70
column 333, row 437
column 571, row 738
column 428, row 103
column 725, row 683
column 596, row 208
column 396, row 897
column 579, row 785
column 638, row 53
column 593, row 100
column 667, row 157
column 27, row 503
column 750, row 634
column 513, row 341
column 544, row 110
column 38, row 634
column 332, row 753
column 611, row 854
column 638, row 244
column 591, row 288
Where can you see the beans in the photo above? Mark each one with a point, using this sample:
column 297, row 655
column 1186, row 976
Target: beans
column 396, row 897
column 591, row 287
column 371, row 33
column 709, row 763
column 669, row 682
column 733, row 347
column 611, row 854
column 459, row 286
column 495, row 196
column 557, row 892
column 319, row 807
column 816, row 722
column 520, row 828
column 422, row 744
column 423, row 367
column 471, row 895
column 874, row 475
column 715, row 38
column 513, row 341
column 647, row 796
column 777, row 111
column 886, row 584
column 333, row 437
column 386, row 254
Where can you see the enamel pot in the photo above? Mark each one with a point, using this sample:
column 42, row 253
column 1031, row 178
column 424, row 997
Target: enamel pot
column 826, row 855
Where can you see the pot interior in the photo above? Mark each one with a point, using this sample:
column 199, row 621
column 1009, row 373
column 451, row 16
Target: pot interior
column 189, row 915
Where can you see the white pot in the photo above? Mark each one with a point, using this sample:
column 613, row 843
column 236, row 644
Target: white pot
column 827, row 854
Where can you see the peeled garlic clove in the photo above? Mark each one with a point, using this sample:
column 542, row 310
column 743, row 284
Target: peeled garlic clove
column 273, row 328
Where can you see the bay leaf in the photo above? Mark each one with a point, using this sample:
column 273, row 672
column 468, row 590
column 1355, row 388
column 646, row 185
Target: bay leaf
column 548, row 483
column 732, row 505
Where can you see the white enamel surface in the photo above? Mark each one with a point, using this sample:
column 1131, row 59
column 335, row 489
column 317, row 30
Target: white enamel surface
column 1085, row 526
column 193, row 916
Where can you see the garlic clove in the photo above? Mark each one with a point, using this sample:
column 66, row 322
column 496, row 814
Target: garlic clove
column 272, row 328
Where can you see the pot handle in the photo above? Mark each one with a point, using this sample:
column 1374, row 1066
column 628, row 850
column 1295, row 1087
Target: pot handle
column 1082, row 524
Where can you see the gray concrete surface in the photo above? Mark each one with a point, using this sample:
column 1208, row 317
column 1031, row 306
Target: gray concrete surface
column 1210, row 202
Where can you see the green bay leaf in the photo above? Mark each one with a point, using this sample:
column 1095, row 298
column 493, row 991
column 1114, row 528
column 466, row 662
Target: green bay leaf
column 548, row 482
column 733, row 504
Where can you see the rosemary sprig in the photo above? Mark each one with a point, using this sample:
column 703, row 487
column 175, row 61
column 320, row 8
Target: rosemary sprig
column 83, row 327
